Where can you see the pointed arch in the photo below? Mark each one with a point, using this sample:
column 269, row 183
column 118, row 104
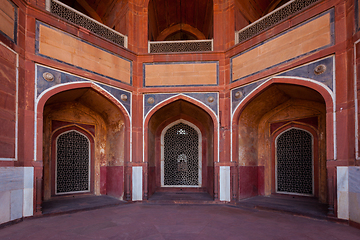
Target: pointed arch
column 190, row 100
column 313, row 133
column 54, row 157
column 327, row 94
column 44, row 96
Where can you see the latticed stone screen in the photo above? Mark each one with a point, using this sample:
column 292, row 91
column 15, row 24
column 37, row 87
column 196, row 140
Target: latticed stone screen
column 181, row 156
column 72, row 163
column 274, row 18
column 294, row 162
column 181, row 46
column 94, row 27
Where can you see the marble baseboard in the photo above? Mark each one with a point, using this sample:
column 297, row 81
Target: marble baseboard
column 343, row 192
column 16, row 193
column 354, row 194
column 348, row 193
column 137, row 183
column 354, row 179
column 225, row 183
column 354, row 207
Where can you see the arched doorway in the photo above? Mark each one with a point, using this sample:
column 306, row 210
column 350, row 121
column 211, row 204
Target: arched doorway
column 71, row 118
column 269, row 126
column 72, row 161
column 294, row 162
column 181, row 158
column 180, row 149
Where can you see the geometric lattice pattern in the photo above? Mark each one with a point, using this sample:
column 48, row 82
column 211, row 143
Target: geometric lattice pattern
column 274, row 18
column 181, row 156
column 181, row 46
column 294, row 162
column 72, row 163
column 92, row 26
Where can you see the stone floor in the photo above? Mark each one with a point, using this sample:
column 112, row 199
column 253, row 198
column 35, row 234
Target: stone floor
column 181, row 198
column 296, row 205
column 77, row 203
column 177, row 221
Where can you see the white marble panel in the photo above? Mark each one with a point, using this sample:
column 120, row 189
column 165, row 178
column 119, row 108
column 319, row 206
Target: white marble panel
column 28, row 202
column 4, row 206
column 11, row 178
column 354, row 179
column 354, row 207
column 28, row 177
column 16, row 204
column 137, row 183
column 342, row 192
column 342, row 179
column 343, row 204
column 225, row 183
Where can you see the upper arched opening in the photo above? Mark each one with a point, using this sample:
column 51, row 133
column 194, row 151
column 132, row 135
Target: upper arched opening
column 180, row 20
column 247, row 12
column 111, row 13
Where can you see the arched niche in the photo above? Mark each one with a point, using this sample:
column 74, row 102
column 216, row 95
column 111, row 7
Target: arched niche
column 247, row 12
column 276, row 106
column 172, row 113
column 93, row 113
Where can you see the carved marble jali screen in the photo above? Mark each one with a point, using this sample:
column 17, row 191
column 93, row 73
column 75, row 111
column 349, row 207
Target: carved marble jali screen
column 294, row 162
column 181, row 156
column 72, row 163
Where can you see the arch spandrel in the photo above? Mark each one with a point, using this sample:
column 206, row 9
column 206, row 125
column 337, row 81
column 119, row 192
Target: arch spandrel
column 62, row 81
column 307, row 75
column 210, row 100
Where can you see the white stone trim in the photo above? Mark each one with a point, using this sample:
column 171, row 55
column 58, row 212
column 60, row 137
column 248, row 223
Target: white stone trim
column 357, row 155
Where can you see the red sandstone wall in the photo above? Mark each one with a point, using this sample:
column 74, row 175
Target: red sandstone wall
column 136, row 23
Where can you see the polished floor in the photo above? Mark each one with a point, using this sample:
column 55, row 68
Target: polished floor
column 177, row 221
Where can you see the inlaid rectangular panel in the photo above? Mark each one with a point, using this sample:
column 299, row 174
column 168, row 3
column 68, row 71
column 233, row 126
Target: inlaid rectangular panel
column 8, row 21
column 59, row 45
column 305, row 38
column 180, row 74
column 8, row 103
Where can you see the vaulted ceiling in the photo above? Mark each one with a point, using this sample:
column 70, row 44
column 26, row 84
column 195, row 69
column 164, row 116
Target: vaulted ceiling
column 180, row 15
